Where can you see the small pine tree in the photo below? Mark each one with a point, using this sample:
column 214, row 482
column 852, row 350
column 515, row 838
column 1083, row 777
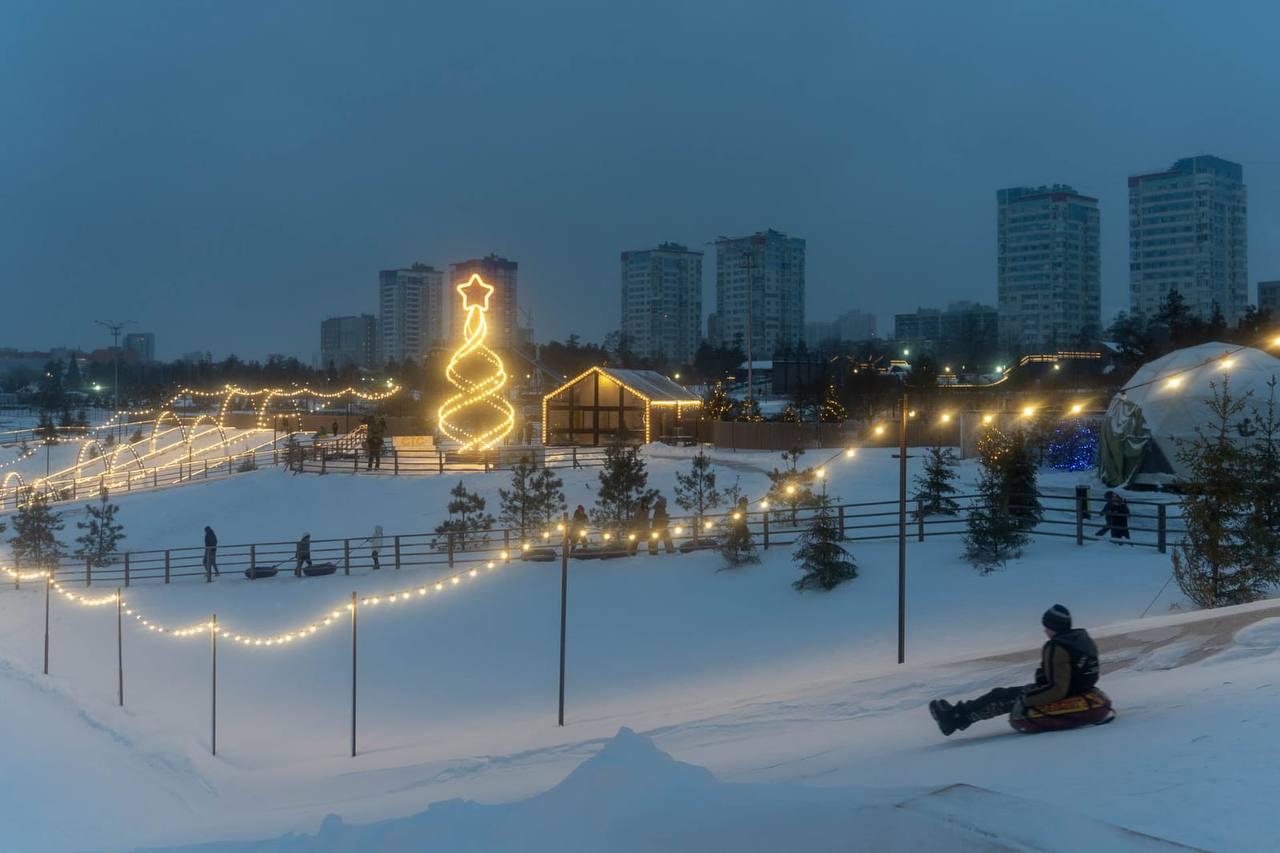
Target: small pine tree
column 1020, row 483
column 696, row 491
column 35, row 528
column 749, row 411
column 790, row 415
column 993, row 536
column 1212, row 564
column 623, row 485
column 738, row 547
column 1262, row 525
column 717, row 406
column 82, row 417
column 535, row 498
column 102, row 533
column 790, row 486
column 934, row 487
column 467, row 518
column 832, row 411
column 46, row 429
column 66, row 421
column 825, row 562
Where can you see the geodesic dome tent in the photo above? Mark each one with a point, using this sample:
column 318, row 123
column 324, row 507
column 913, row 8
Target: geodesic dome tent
column 1164, row 403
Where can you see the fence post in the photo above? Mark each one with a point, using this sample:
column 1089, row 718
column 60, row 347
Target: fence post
column 841, row 513
column 213, row 684
column 765, row 521
column 88, row 572
column 206, row 469
column 17, row 573
column 451, row 549
column 506, row 545
column 355, row 461
column 126, row 568
column 166, row 565
column 346, row 556
column 440, row 460
column 74, row 480
column 1082, row 506
column 324, row 459
column 395, row 461
column 128, row 481
column 920, row 520
column 1161, row 527
column 155, row 477
column 397, row 541
column 574, row 450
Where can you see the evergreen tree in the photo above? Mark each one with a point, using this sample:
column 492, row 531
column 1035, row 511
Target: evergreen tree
column 934, row 487
column 72, row 380
column 749, row 411
column 46, row 429
column 832, row 411
column 696, row 491
column 1262, row 467
column 790, row 486
column 102, row 533
column 66, row 421
column 717, row 406
column 535, row 499
column 824, row 561
column 790, row 414
column 738, row 547
column 82, row 417
column 1212, row 564
column 994, row 535
column 1020, row 482
column 623, row 485
column 467, row 518
column 35, row 529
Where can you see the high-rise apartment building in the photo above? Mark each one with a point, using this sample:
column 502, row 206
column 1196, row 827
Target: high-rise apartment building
column 662, row 302
column 411, row 312
column 1188, row 232
column 1269, row 298
column 143, row 344
column 760, row 281
column 502, row 316
column 1048, row 268
column 852, row 325
column 967, row 332
column 349, row 342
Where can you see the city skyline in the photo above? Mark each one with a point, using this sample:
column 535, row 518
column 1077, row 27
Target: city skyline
column 226, row 193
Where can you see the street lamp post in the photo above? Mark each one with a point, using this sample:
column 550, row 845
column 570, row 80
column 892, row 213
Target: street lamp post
column 114, row 329
column 902, row 530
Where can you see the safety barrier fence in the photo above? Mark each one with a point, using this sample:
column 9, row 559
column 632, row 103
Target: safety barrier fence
column 1077, row 516
column 464, row 556
column 335, row 458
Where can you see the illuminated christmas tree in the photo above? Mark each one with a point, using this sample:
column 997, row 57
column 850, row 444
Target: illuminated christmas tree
column 478, row 417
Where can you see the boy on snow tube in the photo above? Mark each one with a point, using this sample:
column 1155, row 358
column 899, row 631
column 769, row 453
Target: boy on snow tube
column 1064, row 695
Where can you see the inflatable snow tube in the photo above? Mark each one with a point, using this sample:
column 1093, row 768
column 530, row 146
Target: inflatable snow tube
column 1092, row 708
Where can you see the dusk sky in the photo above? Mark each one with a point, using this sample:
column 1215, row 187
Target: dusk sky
column 228, row 174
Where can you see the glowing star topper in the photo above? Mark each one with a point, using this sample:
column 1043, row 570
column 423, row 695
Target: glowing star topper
column 479, row 402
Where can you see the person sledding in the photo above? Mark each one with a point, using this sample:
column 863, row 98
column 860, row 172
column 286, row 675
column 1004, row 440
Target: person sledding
column 1064, row 695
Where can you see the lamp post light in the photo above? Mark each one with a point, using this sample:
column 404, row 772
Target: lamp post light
column 114, row 329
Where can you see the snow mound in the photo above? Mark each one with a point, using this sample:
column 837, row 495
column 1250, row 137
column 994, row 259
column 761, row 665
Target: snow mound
column 633, row 798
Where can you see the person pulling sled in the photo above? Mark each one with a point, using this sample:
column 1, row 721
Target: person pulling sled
column 1065, row 693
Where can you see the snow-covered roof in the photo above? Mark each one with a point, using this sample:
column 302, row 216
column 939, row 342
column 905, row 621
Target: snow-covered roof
column 648, row 384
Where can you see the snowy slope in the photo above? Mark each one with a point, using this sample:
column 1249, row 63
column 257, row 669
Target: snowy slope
column 731, row 670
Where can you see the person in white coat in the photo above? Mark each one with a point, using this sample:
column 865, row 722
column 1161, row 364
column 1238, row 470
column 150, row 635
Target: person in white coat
column 375, row 545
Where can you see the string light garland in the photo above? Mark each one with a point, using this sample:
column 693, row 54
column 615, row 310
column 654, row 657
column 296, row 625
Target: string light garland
column 472, row 394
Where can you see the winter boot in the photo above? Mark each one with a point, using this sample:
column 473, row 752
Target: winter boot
column 944, row 714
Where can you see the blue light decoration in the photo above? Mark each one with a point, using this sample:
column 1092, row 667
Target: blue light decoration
column 1074, row 446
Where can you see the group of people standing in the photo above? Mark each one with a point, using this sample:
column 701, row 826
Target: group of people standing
column 653, row 526
column 301, row 552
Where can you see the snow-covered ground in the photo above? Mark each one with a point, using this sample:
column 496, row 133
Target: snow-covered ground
column 730, row 670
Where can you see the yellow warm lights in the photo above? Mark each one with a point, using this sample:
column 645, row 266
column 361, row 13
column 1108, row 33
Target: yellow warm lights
column 1173, row 382
column 482, row 394
column 986, row 419
column 1077, row 408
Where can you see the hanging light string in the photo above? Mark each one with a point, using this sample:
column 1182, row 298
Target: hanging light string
column 288, row 636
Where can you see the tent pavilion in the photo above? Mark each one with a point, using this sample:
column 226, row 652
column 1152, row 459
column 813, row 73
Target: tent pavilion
column 1168, row 399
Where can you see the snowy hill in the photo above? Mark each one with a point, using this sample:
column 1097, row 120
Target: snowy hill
column 732, row 671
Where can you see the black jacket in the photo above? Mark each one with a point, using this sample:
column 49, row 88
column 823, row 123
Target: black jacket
column 210, row 540
column 1069, row 667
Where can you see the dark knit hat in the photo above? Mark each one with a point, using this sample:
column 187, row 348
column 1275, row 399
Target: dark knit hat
column 1057, row 618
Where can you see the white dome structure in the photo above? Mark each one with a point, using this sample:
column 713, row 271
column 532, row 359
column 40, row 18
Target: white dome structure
column 1165, row 402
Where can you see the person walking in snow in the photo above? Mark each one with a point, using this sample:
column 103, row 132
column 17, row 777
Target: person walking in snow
column 579, row 525
column 375, row 545
column 335, row 429
column 210, row 552
column 302, row 554
column 1068, row 668
column 639, row 527
column 1116, row 512
column 661, row 528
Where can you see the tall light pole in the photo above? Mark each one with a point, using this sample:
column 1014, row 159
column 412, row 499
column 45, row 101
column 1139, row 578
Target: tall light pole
column 114, row 329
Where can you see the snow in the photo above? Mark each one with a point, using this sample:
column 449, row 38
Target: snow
column 732, row 671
